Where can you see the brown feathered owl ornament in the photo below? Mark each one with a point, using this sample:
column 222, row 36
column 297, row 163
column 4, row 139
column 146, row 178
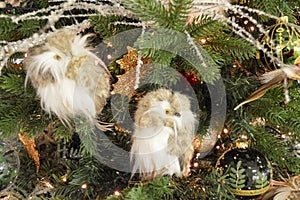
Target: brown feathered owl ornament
column 163, row 135
column 69, row 78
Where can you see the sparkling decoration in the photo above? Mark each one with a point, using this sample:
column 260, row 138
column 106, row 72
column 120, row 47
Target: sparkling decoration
column 117, row 193
column 129, row 60
column 127, row 81
column 283, row 41
column 30, row 146
column 248, row 172
column 84, row 186
column 9, row 166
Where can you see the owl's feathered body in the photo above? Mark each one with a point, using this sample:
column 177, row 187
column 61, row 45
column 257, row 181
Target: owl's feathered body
column 68, row 77
column 163, row 135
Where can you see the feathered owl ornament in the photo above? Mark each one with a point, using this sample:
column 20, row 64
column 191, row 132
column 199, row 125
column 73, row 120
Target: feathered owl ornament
column 163, row 135
column 70, row 80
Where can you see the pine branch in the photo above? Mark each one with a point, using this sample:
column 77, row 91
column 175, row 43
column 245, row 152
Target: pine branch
column 275, row 7
column 205, row 27
column 155, row 12
column 157, row 189
column 178, row 44
column 232, row 47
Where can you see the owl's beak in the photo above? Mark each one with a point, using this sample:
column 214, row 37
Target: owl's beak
column 168, row 112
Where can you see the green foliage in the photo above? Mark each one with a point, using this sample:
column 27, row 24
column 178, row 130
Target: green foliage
column 203, row 184
column 177, row 44
column 62, row 133
column 162, row 75
column 220, row 39
column 37, row 3
column 264, row 120
column 15, row 31
column 277, row 151
column 88, row 136
column 97, row 177
column 275, row 7
column 206, row 27
column 106, row 27
column 155, row 12
column 7, row 30
column 285, row 116
column 262, row 181
column 237, row 176
column 18, row 107
column 157, row 189
column 232, row 47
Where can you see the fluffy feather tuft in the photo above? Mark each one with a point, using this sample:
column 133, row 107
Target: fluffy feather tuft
column 69, row 78
column 163, row 135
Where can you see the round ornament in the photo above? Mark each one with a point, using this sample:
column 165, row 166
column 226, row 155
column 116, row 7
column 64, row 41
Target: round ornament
column 9, row 166
column 283, row 41
column 248, row 172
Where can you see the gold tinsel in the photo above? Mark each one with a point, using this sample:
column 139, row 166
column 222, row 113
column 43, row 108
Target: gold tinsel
column 30, row 146
column 126, row 81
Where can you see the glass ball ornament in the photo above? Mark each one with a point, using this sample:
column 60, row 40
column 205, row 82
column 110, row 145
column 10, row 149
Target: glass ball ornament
column 248, row 172
column 9, row 166
column 283, row 42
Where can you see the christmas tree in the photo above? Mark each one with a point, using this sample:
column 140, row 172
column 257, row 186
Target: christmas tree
column 136, row 99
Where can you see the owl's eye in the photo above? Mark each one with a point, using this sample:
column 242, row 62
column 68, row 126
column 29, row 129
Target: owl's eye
column 177, row 114
column 167, row 111
column 57, row 57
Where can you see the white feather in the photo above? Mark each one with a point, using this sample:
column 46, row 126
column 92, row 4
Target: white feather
column 150, row 153
column 66, row 75
column 162, row 140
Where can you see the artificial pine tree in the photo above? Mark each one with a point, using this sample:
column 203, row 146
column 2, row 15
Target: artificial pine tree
column 212, row 51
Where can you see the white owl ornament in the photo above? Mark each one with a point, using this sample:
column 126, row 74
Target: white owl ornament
column 163, row 135
column 69, row 78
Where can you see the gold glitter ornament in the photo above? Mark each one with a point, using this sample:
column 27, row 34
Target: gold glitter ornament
column 129, row 61
column 126, row 82
column 30, row 146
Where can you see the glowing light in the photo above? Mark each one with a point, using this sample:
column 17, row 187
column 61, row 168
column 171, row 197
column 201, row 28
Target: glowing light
column 283, row 136
column 244, row 137
column 84, row 186
column 225, row 130
column 252, row 28
column 195, row 164
column 117, row 193
column 64, row 179
column 218, row 147
column 246, row 21
column 202, row 41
